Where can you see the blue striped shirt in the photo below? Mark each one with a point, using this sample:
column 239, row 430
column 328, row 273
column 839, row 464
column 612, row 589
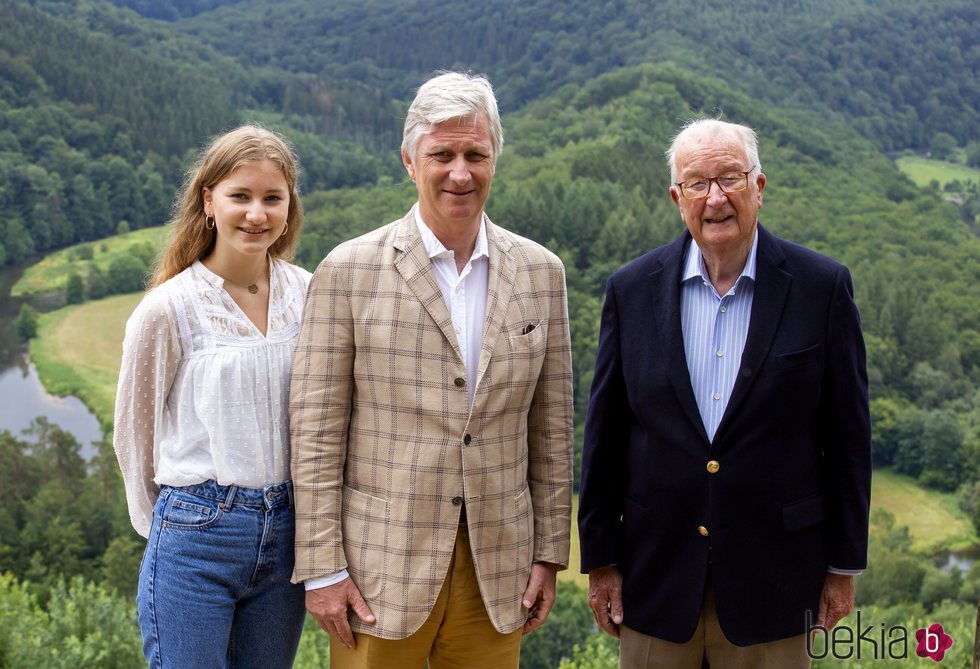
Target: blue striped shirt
column 714, row 328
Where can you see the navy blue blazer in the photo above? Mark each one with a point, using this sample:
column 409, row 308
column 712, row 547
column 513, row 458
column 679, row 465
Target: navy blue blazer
column 791, row 492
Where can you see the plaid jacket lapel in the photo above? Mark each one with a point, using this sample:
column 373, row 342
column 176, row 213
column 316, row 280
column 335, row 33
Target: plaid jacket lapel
column 500, row 287
column 415, row 266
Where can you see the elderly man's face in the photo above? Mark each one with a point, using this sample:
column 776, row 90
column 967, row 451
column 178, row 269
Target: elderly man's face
column 453, row 169
column 721, row 223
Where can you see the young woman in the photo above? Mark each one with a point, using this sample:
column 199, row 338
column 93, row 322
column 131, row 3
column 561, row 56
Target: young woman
column 201, row 423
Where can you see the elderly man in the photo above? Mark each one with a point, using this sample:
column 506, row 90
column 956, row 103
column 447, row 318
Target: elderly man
column 726, row 471
column 431, row 415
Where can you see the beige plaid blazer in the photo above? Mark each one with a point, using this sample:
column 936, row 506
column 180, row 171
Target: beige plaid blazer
column 384, row 445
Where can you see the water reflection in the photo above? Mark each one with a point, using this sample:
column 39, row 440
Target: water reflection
column 962, row 560
column 22, row 396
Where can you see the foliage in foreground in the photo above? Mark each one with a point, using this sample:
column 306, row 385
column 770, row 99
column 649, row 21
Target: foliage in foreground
column 82, row 625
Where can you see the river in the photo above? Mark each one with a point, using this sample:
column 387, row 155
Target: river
column 23, row 395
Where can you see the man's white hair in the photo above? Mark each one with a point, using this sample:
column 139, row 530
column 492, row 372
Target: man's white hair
column 710, row 128
column 447, row 96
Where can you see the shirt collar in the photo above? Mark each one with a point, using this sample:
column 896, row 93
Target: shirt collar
column 694, row 262
column 435, row 249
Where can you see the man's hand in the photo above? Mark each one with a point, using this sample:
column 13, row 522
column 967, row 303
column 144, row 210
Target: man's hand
column 328, row 606
column 606, row 598
column 836, row 600
column 540, row 594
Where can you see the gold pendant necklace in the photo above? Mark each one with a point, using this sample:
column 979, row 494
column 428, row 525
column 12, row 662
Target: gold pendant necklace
column 253, row 288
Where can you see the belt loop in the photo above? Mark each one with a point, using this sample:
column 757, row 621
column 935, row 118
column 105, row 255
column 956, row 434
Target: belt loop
column 289, row 492
column 230, row 497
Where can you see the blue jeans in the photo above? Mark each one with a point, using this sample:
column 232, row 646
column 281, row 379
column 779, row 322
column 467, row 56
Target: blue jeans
column 214, row 590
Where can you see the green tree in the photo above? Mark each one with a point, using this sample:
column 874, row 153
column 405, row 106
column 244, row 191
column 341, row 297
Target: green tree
column 973, row 154
column 121, row 565
column 26, row 323
column 570, row 622
column 18, row 241
column 75, row 289
column 942, row 450
column 83, row 626
column 938, row 587
column 97, row 284
column 599, row 651
column 127, row 274
column 314, row 647
column 893, row 575
column 943, row 145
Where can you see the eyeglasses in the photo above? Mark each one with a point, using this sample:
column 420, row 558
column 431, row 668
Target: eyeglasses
column 733, row 182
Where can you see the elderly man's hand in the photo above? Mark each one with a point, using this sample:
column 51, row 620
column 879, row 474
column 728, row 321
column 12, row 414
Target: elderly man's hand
column 606, row 598
column 836, row 600
column 540, row 594
column 328, row 605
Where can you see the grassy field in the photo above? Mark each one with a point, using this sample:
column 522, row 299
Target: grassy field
column 933, row 518
column 51, row 274
column 77, row 351
column 924, row 171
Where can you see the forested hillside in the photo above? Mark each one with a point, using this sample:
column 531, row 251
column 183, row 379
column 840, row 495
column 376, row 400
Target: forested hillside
column 99, row 111
column 899, row 72
column 103, row 101
column 91, row 134
column 122, row 99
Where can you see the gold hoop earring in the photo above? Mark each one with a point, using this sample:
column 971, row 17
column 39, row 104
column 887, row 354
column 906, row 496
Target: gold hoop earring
column 209, row 222
column 285, row 230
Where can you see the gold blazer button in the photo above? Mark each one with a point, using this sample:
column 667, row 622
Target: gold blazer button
column 713, row 466
column 703, row 530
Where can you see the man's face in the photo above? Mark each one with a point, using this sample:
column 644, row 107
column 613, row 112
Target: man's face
column 721, row 223
column 453, row 169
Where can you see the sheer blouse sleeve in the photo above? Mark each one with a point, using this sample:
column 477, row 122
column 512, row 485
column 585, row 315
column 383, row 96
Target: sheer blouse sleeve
column 151, row 357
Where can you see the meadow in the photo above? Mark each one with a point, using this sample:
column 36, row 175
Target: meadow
column 52, row 272
column 78, row 348
column 923, row 171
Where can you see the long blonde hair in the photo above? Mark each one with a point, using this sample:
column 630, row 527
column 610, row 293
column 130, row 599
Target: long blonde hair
column 189, row 239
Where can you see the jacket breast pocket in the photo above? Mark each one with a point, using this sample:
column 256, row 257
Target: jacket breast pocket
column 794, row 360
column 803, row 513
column 365, row 530
column 528, row 338
column 517, row 359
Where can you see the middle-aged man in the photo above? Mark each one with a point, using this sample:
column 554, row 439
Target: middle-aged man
column 726, row 471
column 431, row 415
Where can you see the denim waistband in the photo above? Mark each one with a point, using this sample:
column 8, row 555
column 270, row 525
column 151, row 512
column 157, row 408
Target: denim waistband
column 270, row 497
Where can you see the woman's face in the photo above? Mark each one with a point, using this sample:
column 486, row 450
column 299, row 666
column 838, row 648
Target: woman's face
column 249, row 207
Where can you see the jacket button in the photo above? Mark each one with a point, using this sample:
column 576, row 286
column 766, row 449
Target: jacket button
column 459, row 381
column 713, row 466
column 703, row 530
column 467, row 439
column 457, row 500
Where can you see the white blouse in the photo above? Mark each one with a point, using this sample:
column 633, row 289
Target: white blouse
column 202, row 394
